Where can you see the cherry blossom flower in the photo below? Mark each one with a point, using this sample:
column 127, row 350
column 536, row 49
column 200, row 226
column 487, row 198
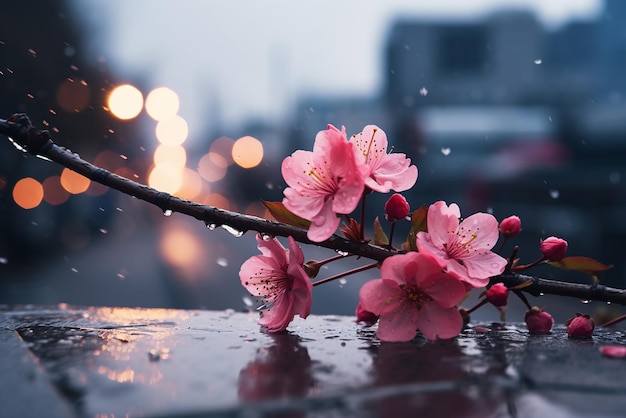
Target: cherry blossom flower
column 414, row 293
column 387, row 171
column 465, row 247
column 325, row 182
column 365, row 317
column 277, row 276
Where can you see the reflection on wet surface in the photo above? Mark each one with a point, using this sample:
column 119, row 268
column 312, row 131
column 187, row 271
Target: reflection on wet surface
column 154, row 362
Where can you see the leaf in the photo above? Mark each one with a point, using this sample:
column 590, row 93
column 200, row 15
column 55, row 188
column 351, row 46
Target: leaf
column 379, row 235
column 581, row 263
column 418, row 224
column 351, row 231
column 282, row 214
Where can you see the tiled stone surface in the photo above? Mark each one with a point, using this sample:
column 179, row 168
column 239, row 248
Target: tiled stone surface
column 118, row 362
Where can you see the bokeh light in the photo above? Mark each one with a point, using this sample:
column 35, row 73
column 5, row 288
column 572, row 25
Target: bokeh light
column 247, row 152
column 166, row 178
column 162, row 103
column 73, row 96
column 182, row 249
column 73, row 182
column 125, row 102
column 192, row 185
column 170, row 154
column 224, row 147
column 53, row 191
column 212, row 167
column 28, row 193
column 172, row 131
column 218, row 201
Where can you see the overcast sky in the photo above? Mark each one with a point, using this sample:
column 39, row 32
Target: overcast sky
column 255, row 57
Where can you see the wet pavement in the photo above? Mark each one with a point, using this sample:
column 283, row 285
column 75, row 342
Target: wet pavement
column 65, row 361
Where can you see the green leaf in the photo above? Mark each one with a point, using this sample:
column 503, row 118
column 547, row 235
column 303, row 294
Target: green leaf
column 418, row 224
column 282, row 214
column 580, row 263
column 379, row 235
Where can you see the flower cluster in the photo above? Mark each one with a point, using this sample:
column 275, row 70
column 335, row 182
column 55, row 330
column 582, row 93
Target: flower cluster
column 422, row 284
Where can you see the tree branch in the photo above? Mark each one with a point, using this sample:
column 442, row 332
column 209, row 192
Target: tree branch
column 38, row 142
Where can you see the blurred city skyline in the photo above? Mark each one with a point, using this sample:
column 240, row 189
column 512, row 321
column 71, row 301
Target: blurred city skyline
column 240, row 61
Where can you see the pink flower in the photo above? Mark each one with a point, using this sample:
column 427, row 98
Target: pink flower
column 396, row 208
column 511, row 226
column 387, row 171
column 277, row 276
column 581, row 326
column 465, row 247
column 324, row 182
column 553, row 248
column 497, row 295
column 615, row 351
column 412, row 294
column 538, row 321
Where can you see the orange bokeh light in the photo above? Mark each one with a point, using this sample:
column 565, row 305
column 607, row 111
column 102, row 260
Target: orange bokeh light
column 73, row 182
column 162, row 103
column 191, row 186
column 170, row 154
column 172, row 131
column 28, row 193
column 166, row 178
column 224, row 147
column 73, row 96
column 247, row 152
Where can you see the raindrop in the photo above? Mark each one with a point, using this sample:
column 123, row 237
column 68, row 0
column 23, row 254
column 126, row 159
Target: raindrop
column 211, row 227
column 266, row 237
column 342, row 282
column 16, row 145
column 490, row 210
column 585, row 301
column 446, row 151
column 343, row 253
column 232, row 231
column 167, row 212
column 221, row 261
column 538, row 61
column 4, row 260
column 541, row 294
column 247, row 300
column 121, row 275
column 266, row 305
column 269, row 185
column 550, row 118
column 423, row 91
column 608, row 302
column 74, row 270
column 103, row 231
column 554, row 194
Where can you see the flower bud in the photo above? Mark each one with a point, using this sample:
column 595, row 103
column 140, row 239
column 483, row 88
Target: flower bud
column 553, row 248
column 511, row 226
column 366, row 317
column 581, row 326
column 497, row 295
column 615, row 351
column 396, row 208
column 538, row 321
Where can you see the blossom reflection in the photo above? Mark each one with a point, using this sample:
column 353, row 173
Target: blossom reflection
column 282, row 370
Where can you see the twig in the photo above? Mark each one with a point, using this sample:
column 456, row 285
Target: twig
column 38, row 142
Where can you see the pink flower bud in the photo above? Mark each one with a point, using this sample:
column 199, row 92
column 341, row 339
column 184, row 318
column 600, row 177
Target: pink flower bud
column 366, row 317
column 553, row 248
column 497, row 295
column 511, row 226
column 581, row 326
column 538, row 321
column 396, row 208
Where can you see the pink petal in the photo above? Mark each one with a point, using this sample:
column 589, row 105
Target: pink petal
column 436, row 322
column 278, row 317
column 484, row 265
column 272, row 248
column 324, row 224
column 442, row 221
column 615, row 351
column 447, row 290
column 255, row 272
column 400, row 268
column 393, row 172
column 306, row 207
column 398, row 326
column 380, row 296
column 485, row 229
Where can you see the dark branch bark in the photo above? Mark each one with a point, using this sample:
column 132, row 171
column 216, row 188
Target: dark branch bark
column 38, row 142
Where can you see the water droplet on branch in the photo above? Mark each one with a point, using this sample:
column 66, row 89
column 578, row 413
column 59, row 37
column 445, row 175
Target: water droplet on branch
column 232, row 231
column 167, row 212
